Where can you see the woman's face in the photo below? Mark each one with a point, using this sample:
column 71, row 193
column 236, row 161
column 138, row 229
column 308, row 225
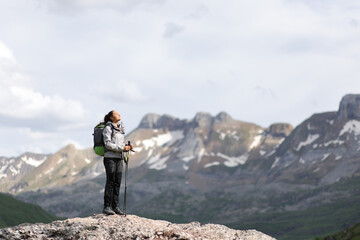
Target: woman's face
column 115, row 117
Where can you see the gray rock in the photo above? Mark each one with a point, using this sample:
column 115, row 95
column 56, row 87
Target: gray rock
column 130, row 227
column 349, row 107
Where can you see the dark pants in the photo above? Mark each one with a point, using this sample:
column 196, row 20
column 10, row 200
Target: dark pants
column 113, row 168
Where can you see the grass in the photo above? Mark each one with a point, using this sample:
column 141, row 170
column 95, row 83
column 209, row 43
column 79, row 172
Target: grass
column 14, row 212
column 351, row 233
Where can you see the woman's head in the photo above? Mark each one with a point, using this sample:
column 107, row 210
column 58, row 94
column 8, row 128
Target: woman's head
column 112, row 116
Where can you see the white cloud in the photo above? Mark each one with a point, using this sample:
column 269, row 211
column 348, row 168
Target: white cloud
column 123, row 91
column 6, row 54
column 36, row 135
column 19, row 101
column 74, row 6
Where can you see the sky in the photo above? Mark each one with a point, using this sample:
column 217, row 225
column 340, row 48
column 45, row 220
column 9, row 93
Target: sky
column 65, row 63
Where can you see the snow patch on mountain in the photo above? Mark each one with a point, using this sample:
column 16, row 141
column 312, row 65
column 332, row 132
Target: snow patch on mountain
column 336, row 141
column 188, row 158
column 59, row 161
column 157, row 163
column 309, row 127
column 13, row 170
column 222, row 135
column 352, row 126
column 325, row 156
column 310, row 139
column 2, row 171
column 201, row 154
column 32, row 161
column 87, row 160
column 256, row 140
column 277, row 159
column 162, row 139
column 137, row 149
column 234, row 161
column 211, row 164
column 49, row 171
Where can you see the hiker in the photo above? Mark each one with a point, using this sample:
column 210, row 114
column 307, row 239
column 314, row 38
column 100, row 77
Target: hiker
column 113, row 135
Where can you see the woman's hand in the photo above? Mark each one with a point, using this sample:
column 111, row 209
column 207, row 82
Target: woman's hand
column 127, row 148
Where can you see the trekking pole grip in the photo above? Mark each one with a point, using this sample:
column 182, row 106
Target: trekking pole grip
column 129, row 144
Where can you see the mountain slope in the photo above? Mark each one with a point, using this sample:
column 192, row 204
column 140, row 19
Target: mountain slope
column 12, row 170
column 14, row 212
column 351, row 233
column 66, row 166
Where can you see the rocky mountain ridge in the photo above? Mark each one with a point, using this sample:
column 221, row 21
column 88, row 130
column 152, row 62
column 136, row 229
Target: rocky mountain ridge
column 161, row 143
column 129, row 227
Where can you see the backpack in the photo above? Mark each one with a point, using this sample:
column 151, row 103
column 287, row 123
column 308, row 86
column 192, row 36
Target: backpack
column 99, row 146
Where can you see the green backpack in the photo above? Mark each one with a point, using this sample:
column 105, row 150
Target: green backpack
column 99, row 146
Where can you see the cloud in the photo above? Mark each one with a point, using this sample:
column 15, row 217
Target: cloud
column 19, row 102
column 76, row 6
column 123, row 91
column 6, row 54
column 36, row 135
column 172, row 29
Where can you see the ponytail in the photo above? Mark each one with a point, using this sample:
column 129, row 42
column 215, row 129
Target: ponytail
column 107, row 116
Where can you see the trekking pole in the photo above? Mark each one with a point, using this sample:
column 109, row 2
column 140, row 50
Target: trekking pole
column 127, row 157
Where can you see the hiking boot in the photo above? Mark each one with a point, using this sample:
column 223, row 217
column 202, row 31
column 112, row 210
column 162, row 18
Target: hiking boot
column 108, row 211
column 117, row 210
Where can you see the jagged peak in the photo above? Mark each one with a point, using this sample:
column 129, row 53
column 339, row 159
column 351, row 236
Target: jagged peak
column 200, row 115
column 69, row 147
column 349, row 107
column 149, row 120
column 155, row 121
column 203, row 119
column 223, row 117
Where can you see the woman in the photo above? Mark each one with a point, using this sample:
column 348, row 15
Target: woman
column 113, row 134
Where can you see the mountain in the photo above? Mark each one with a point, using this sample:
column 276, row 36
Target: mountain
column 35, row 171
column 13, row 170
column 129, row 227
column 14, row 212
column 323, row 149
column 221, row 170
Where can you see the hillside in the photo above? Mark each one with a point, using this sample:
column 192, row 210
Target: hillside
column 351, row 233
column 14, row 212
column 129, row 227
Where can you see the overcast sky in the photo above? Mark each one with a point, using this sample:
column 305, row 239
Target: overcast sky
column 65, row 63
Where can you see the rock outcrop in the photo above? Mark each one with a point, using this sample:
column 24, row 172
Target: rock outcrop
column 129, row 227
column 280, row 129
column 349, row 107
